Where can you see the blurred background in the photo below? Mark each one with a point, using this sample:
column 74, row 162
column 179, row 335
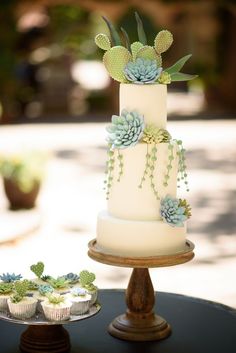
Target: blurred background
column 55, row 100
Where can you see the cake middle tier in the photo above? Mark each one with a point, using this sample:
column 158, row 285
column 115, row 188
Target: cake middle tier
column 127, row 200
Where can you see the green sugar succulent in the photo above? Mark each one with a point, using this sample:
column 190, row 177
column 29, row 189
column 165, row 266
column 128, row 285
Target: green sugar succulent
column 117, row 56
column 55, row 298
column 153, row 134
column 6, row 288
column 58, row 283
column 185, row 204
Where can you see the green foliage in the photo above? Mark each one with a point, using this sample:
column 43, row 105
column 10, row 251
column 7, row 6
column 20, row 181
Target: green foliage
column 110, row 164
column 16, row 298
column 38, row 269
column 86, row 278
column 178, row 65
column 165, row 78
column 103, row 41
column 126, row 38
column 115, row 61
column 141, row 33
column 24, row 169
column 55, row 299
column 115, row 38
column 59, row 283
column 163, row 41
column 185, row 204
column 179, row 76
column 153, row 134
column 32, row 285
column 6, row 288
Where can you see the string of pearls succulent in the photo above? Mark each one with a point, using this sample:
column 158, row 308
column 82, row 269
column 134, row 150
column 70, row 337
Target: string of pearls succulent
column 182, row 169
column 110, row 164
column 151, row 158
column 121, row 165
column 169, row 165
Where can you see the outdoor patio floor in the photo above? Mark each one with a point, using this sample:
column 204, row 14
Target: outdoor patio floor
column 72, row 195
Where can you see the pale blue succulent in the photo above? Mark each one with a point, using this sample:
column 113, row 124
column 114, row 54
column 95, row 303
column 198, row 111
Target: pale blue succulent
column 126, row 130
column 78, row 292
column 172, row 212
column 10, row 277
column 142, row 71
column 45, row 289
column 72, row 277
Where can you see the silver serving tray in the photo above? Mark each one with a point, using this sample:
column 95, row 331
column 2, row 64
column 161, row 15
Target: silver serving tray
column 39, row 318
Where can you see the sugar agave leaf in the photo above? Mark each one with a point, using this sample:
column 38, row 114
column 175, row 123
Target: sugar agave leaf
column 115, row 38
column 135, row 48
column 163, row 41
column 141, row 34
column 115, row 61
column 126, row 38
column 180, row 76
column 178, row 65
column 103, row 41
column 147, row 52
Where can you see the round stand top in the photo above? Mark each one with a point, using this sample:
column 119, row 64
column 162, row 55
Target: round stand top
column 179, row 257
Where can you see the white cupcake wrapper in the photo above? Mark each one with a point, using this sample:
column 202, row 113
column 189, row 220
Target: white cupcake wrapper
column 56, row 314
column 80, row 308
column 3, row 303
column 22, row 310
column 94, row 296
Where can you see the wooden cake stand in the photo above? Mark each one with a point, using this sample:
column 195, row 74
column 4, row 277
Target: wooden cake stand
column 140, row 323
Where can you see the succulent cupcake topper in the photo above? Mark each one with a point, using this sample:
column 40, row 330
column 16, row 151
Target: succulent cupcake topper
column 38, row 269
column 10, row 277
column 32, row 285
column 118, row 57
column 153, row 134
column 71, row 277
column 174, row 211
column 55, row 298
column 45, row 289
column 6, row 288
column 58, row 283
column 21, row 288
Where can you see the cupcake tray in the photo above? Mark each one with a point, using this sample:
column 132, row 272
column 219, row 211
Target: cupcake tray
column 43, row 335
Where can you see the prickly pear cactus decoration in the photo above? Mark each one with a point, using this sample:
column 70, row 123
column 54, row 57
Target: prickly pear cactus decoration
column 103, row 41
column 38, row 269
column 163, row 41
column 135, row 47
column 86, row 277
column 21, row 288
column 115, row 61
column 148, row 52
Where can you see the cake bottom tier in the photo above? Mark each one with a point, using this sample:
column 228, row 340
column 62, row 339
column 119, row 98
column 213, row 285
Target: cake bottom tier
column 138, row 238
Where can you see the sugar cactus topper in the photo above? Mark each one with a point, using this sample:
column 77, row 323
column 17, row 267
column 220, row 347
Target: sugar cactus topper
column 174, row 211
column 20, row 291
column 122, row 59
column 86, row 280
column 38, row 269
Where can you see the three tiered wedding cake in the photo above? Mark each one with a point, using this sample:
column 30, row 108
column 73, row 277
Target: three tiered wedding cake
column 144, row 217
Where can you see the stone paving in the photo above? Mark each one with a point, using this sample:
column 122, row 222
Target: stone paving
column 72, row 195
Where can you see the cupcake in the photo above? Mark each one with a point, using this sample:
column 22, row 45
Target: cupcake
column 80, row 300
column 41, row 294
column 56, row 307
column 86, row 281
column 21, row 306
column 60, row 285
column 6, row 289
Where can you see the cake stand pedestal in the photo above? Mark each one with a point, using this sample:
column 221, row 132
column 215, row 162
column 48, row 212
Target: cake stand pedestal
column 140, row 323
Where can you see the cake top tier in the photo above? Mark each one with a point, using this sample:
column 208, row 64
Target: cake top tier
column 139, row 62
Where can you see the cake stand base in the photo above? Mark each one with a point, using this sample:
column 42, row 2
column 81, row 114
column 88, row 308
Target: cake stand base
column 140, row 323
column 45, row 338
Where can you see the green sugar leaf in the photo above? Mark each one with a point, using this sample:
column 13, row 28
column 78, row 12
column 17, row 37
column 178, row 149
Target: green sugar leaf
column 178, row 65
column 115, row 38
column 179, row 76
column 141, row 34
column 126, row 38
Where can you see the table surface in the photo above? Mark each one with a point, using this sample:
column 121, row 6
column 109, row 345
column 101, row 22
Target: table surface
column 197, row 326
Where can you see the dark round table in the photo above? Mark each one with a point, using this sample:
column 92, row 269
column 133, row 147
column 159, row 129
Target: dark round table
column 198, row 326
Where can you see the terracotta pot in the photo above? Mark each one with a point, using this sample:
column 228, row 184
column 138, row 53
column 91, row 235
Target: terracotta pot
column 19, row 199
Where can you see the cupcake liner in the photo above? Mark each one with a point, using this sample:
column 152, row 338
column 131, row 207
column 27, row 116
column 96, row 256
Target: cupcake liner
column 22, row 310
column 3, row 303
column 94, row 296
column 54, row 313
column 79, row 307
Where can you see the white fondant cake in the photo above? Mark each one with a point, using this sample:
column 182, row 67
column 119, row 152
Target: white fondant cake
column 132, row 225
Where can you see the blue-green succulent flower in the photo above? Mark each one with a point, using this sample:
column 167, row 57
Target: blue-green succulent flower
column 10, row 277
column 142, row 71
column 126, row 130
column 45, row 289
column 72, row 277
column 172, row 212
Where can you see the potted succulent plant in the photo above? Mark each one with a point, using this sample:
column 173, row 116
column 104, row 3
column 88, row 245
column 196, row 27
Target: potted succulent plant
column 22, row 175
